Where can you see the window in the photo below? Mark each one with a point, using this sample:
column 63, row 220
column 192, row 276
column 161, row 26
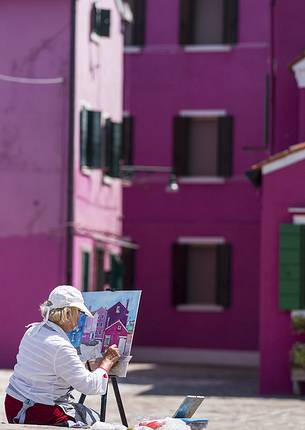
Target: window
column 127, row 149
column 85, row 270
column 292, row 268
column 100, row 21
column 92, row 140
column 135, row 31
column 203, row 146
column 208, row 22
column 201, row 274
column 99, row 269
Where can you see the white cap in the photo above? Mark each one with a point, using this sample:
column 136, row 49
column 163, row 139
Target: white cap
column 66, row 295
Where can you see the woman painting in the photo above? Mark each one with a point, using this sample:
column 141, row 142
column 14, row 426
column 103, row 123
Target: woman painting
column 48, row 368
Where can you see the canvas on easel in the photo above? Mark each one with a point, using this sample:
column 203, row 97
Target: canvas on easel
column 114, row 319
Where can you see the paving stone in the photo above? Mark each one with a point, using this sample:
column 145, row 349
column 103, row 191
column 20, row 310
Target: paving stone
column 232, row 400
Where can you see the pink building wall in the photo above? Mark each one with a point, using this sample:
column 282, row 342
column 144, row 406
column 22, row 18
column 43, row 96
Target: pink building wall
column 34, row 43
column 98, row 86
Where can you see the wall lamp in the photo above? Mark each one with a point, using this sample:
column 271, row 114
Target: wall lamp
column 172, row 185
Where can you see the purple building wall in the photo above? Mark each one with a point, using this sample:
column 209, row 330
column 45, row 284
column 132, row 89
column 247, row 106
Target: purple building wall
column 163, row 79
column 281, row 191
column 35, row 43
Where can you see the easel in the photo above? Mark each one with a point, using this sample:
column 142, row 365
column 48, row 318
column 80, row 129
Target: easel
column 104, row 401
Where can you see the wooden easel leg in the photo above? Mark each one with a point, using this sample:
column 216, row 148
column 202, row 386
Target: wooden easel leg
column 103, row 406
column 119, row 400
column 82, row 398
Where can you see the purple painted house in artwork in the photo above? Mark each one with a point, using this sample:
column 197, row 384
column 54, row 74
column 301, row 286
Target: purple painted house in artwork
column 60, row 144
column 208, row 92
column 117, row 312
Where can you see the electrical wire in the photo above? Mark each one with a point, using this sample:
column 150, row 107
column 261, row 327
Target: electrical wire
column 31, row 81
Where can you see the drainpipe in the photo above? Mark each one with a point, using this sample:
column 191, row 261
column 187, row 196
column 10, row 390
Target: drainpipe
column 272, row 74
column 70, row 183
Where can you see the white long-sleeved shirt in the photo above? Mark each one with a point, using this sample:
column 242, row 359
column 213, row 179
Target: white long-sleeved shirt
column 48, row 365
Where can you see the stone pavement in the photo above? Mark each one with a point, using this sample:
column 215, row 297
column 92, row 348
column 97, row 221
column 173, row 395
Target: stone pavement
column 232, row 402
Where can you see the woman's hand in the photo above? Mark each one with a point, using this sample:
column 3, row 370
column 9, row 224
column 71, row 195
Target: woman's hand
column 110, row 358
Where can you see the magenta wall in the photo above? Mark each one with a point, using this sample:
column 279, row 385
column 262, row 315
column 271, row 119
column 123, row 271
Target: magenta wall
column 281, row 190
column 34, row 43
column 161, row 80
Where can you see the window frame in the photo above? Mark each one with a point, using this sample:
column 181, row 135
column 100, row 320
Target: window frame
column 189, row 241
column 181, row 134
column 230, row 27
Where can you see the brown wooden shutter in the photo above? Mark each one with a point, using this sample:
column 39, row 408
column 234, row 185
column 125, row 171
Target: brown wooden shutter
column 225, row 145
column 187, row 9
column 179, row 273
column 129, row 263
column 139, row 22
column 180, row 145
column 127, row 151
column 230, row 22
column 224, row 262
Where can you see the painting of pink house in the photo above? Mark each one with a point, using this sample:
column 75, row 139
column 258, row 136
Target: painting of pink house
column 116, row 333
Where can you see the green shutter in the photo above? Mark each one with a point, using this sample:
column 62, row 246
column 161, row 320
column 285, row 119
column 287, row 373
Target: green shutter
column 117, row 273
column 85, row 270
column 127, row 149
column 129, row 264
column 83, row 137
column 100, row 21
column 292, row 266
column 99, row 270
column 114, row 148
column 94, row 140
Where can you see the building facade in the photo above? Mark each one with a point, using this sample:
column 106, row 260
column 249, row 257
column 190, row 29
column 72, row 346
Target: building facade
column 61, row 113
column 208, row 92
